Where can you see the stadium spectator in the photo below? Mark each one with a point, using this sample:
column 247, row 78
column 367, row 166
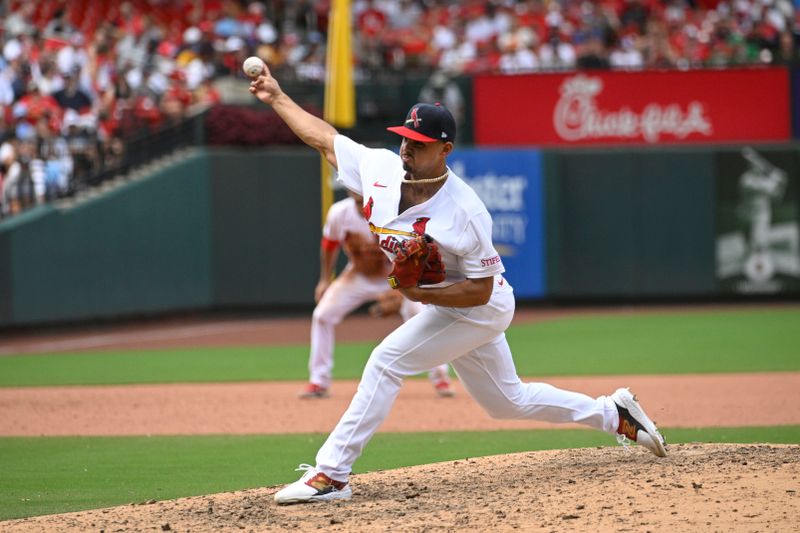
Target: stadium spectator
column 53, row 160
column 81, row 138
column 20, row 19
column 59, row 26
column 18, row 184
column 626, row 55
column 33, row 105
column 73, row 57
column 556, row 53
column 177, row 99
column 72, row 96
column 8, row 155
column 46, row 76
column 206, row 94
column 137, row 65
column 371, row 22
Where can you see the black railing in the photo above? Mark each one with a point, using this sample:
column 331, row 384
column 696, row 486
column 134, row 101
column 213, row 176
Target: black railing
column 148, row 144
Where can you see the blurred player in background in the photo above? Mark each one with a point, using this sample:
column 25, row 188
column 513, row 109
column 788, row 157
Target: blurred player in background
column 362, row 280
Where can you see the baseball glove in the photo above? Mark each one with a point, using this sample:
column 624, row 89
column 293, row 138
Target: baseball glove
column 418, row 262
column 433, row 272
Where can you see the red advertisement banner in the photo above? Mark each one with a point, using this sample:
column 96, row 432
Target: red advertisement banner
column 647, row 108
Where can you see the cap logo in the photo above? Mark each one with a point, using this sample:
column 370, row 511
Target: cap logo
column 416, row 120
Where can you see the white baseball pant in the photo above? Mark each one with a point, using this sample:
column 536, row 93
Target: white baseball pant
column 473, row 341
column 344, row 295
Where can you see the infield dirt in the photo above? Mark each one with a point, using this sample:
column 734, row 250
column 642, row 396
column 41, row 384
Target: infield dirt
column 725, row 488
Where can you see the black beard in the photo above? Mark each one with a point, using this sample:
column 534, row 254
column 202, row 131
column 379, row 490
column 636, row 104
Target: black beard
column 406, row 167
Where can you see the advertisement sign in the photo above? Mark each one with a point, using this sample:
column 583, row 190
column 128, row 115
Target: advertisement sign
column 510, row 184
column 758, row 222
column 647, row 108
column 796, row 100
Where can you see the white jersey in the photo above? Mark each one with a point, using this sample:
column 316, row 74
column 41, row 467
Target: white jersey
column 362, row 281
column 345, row 217
column 455, row 217
column 345, row 224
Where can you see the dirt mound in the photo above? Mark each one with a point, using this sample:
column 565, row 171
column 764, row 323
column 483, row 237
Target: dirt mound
column 698, row 487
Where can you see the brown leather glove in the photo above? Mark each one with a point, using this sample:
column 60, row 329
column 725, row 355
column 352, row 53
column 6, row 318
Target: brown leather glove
column 418, row 262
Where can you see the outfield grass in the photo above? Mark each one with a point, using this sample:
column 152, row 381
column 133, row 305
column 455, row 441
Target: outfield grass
column 654, row 343
column 49, row 475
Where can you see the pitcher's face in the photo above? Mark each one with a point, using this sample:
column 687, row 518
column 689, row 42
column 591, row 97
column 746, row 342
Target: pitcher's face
column 422, row 159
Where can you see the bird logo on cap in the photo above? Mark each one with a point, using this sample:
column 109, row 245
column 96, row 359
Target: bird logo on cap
column 416, row 120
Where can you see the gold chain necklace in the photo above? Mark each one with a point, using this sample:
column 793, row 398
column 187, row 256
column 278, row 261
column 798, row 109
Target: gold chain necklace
column 429, row 180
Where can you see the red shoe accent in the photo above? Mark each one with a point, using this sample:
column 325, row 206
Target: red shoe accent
column 443, row 389
column 627, row 429
column 313, row 390
column 322, row 482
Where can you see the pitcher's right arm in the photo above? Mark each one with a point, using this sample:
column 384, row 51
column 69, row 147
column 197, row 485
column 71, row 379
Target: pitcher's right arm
column 312, row 130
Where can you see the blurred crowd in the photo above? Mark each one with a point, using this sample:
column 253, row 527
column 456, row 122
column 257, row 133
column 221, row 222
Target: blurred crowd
column 80, row 78
column 513, row 36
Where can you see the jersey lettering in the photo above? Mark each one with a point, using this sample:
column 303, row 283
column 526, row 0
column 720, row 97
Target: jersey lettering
column 491, row 261
column 390, row 244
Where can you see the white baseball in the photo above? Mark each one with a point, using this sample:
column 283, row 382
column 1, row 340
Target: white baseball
column 253, row 66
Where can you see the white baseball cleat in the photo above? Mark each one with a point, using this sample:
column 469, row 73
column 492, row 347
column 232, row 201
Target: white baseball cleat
column 313, row 486
column 635, row 425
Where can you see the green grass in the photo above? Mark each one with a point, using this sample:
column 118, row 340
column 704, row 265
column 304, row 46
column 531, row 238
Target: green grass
column 49, row 475
column 654, row 343
column 663, row 343
column 268, row 363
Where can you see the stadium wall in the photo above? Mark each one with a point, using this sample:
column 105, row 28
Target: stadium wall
column 208, row 232
column 142, row 248
column 233, row 229
column 630, row 225
column 265, row 227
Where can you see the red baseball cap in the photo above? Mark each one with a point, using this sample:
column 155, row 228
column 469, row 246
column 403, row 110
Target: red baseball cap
column 428, row 123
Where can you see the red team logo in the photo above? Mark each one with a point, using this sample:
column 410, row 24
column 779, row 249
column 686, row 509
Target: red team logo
column 367, row 210
column 416, row 120
column 419, row 225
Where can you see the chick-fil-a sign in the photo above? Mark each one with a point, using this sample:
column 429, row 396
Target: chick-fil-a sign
column 633, row 107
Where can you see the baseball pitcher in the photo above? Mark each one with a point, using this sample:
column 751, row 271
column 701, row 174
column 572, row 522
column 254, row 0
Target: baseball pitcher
column 437, row 233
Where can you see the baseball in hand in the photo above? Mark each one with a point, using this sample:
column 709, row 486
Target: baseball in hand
column 253, row 66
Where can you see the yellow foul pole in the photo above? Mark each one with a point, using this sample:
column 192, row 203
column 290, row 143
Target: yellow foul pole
column 340, row 99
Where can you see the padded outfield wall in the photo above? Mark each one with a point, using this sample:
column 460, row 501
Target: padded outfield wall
column 644, row 223
column 142, row 248
column 233, row 229
column 674, row 223
column 228, row 229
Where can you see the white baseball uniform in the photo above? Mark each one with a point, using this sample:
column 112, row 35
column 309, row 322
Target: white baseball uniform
column 361, row 281
column 472, row 339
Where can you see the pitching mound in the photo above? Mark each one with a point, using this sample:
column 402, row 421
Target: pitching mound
column 699, row 487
